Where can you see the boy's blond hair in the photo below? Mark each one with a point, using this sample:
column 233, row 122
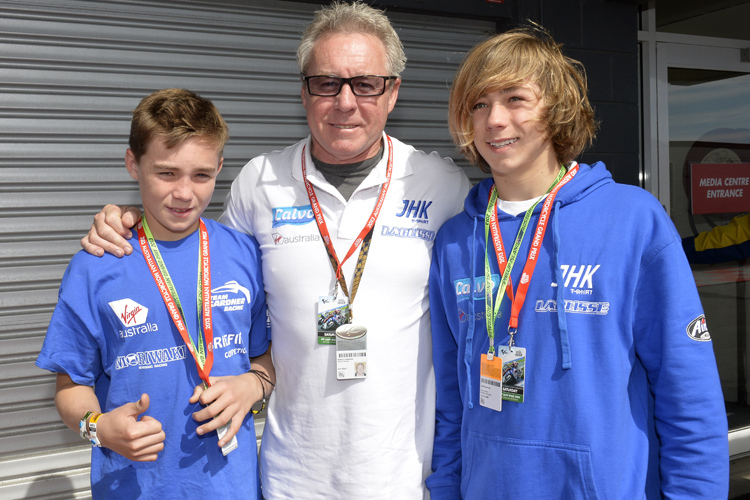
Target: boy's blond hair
column 521, row 56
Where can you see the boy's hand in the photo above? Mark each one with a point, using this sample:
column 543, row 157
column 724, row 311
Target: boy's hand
column 229, row 397
column 122, row 432
column 109, row 231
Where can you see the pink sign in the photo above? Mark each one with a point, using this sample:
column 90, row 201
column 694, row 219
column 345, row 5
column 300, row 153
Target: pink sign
column 719, row 188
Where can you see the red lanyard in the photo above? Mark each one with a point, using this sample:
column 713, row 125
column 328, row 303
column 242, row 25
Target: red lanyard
column 363, row 235
column 203, row 361
column 531, row 260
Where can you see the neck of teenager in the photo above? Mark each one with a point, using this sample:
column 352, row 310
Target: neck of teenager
column 527, row 183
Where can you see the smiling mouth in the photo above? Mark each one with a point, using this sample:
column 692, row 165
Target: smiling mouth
column 345, row 127
column 181, row 210
column 503, row 143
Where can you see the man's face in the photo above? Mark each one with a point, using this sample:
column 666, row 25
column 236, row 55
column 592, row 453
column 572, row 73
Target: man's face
column 176, row 184
column 346, row 128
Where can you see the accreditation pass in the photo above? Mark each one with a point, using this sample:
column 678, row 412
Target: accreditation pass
column 351, row 352
column 491, row 382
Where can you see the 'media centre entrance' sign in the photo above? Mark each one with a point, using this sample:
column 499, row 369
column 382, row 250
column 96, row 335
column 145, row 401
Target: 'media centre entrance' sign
column 717, row 188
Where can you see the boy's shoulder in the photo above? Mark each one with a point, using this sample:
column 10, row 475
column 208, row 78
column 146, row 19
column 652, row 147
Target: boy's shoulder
column 224, row 232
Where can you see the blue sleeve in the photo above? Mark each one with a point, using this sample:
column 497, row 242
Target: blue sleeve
column 674, row 346
column 445, row 481
column 260, row 329
column 70, row 346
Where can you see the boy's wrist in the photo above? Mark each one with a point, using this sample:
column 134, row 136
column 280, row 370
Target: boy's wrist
column 87, row 427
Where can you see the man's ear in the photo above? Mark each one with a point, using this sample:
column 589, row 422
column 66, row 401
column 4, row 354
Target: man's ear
column 131, row 164
column 393, row 94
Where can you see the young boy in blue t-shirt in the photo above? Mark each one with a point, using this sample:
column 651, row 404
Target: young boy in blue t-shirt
column 156, row 356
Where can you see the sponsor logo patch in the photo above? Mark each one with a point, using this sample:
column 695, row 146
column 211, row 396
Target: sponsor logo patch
column 698, row 330
column 151, row 359
column 408, row 232
column 574, row 307
column 464, row 291
column 415, row 210
column 296, row 216
column 580, row 279
column 133, row 317
column 231, row 296
column 280, row 239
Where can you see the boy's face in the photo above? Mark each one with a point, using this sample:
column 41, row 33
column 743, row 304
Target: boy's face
column 176, row 184
column 509, row 134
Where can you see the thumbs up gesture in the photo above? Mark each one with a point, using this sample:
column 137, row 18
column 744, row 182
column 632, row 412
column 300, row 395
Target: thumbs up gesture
column 123, row 432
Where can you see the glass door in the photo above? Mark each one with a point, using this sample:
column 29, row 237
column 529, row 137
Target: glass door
column 703, row 95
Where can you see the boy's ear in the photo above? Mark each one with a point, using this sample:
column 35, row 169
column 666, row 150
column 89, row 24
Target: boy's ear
column 131, row 164
column 221, row 164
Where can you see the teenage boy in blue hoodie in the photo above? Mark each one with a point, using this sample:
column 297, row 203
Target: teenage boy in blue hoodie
column 571, row 351
column 142, row 347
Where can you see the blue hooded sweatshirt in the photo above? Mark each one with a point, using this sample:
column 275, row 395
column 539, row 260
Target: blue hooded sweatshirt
column 622, row 394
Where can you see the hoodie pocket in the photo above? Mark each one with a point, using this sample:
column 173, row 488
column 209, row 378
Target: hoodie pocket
column 500, row 468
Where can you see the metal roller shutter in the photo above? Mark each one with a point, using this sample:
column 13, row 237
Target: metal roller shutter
column 70, row 74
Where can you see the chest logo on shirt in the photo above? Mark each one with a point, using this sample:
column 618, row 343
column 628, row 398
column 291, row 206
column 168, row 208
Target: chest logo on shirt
column 295, row 216
column 231, row 296
column 580, row 279
column 133, row 317
column 698, row 330
column 415, row 210
column 464, row 289
column 279, row 239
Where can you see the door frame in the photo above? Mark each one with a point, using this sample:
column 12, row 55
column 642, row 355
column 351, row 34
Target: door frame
column 660, row 51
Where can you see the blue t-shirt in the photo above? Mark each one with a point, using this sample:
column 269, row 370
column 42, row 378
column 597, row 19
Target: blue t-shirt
column 111, row 330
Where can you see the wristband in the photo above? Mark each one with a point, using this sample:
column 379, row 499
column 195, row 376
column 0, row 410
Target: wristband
column 82, row 428
column 93, row 419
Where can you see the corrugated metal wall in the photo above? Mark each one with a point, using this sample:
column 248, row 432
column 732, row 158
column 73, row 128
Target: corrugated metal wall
column 70, row 74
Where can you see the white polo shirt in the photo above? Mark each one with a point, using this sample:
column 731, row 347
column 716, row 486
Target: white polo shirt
column 344, row 439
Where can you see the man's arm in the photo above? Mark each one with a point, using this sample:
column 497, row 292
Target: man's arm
column 109, row 231
column 119, row 430
column 232, row 397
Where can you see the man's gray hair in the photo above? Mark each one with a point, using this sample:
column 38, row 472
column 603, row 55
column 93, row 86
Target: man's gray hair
column 356, row 17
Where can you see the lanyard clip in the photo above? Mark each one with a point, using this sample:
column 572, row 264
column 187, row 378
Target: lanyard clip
column 512, row 332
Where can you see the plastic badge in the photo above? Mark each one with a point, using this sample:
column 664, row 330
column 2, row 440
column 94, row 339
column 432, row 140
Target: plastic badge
column 232, row 444
column 332, row 313
column 351, row 352
column 491, row 382
column 514, row 372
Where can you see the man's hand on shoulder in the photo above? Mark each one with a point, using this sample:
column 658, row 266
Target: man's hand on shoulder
column 110, row 231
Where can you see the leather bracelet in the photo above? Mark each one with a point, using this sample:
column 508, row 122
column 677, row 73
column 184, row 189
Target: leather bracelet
column 263, row 390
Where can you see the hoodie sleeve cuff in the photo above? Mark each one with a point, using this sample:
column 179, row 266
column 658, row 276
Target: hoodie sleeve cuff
column 446, row 492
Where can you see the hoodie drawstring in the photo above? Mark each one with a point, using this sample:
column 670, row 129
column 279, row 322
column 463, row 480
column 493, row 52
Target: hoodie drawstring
column 562, row 322
column 470, row 333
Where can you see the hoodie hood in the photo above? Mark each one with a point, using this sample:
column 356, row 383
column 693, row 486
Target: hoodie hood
column 588, row 179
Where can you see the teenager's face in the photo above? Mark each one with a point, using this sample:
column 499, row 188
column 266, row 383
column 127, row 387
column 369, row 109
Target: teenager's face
column 176, row 184
column 509, row 135
column 346, row 128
